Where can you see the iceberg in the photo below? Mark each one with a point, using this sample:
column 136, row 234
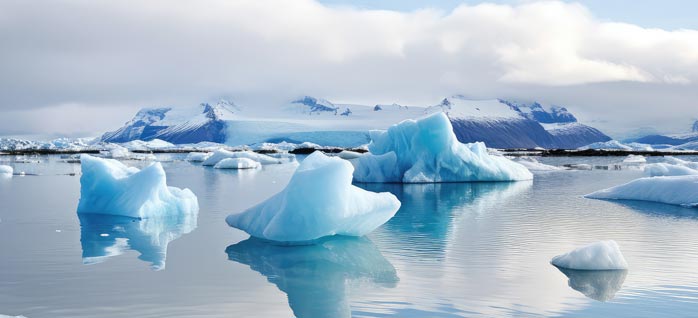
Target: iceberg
column 6, row 171
column 107, row 186
column 221, row 154
column 237, row 163
column 665, row 169
column 677, row 190
column 634, row 159
column 602, row 255
column 319, row 201
column 532, row 164
column 317, row 278
column 681, row 162
column 198, row 156
column 348, row 155
column 426, row 150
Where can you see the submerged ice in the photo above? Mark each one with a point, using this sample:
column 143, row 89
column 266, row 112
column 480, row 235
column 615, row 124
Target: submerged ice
column 602, row 255
column 108, row 186
column 426, row 150
column 318, row 201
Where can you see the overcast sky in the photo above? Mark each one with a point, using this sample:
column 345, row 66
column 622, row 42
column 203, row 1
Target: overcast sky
column 83, row 67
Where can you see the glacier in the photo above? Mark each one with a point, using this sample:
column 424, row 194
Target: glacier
column 237, row 163
column 221, row 154
column 602, row 255
column 108, row 186
column 318, row 201
column 426, row 150
column 677, row 190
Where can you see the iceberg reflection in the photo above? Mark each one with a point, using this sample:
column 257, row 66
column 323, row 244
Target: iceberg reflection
column 316, row 277
column 598, row 285
column 103, row 236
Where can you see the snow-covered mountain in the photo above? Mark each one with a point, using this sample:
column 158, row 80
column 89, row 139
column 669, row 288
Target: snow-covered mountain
column 505, row 124
column 178, row 126
column 499, row 123
column 673, row 139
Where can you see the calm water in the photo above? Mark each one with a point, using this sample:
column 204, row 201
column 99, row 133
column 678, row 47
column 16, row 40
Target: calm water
column 453, row 250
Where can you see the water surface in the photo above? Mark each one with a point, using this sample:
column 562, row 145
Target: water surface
column 453, row 250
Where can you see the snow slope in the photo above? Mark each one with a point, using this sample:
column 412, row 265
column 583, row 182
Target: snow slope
column 499, row 123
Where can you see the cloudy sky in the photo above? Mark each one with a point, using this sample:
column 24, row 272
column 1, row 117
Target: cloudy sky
column 72, row 68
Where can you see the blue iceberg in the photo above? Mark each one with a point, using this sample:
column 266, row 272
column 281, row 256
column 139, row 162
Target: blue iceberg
column 425, row 151
column 108, row 186
column 318, row 201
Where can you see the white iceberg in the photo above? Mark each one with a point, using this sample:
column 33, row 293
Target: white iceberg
column 681, row 162
column 109, row 187
column 426, row 150
column 198, row 156
column 602, row 255
column 635, row 159
column 221, row 154
column 237, row 163
column 665, row 169
column 677, row 190
column 6, row 170
column 318, row 201
column 533, row 164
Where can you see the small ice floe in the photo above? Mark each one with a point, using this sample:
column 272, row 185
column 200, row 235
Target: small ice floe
column 237, row 163
column 634, row 159
column 579, row 166
column 319, row 201
column 533, row 164
column 198, row 156
column 677, row 190
column 665, row 170
column 6, row 171
column 221, row 154
column 348, row 154
column 115, row 151
column 426, row 151
column 602, row 255
column 108, row 186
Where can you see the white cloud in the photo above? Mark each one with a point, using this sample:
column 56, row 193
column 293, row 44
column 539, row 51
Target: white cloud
column 181, row 52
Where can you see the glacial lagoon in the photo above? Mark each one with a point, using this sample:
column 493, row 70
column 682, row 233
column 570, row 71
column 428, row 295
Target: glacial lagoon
column 452, row 250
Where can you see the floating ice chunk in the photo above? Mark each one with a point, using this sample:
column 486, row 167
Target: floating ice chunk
column 635, row 159
column 534, row 165
column 109, row 187
column 680, row 162
column 6, row 171
column 665, row 169
column 348, row 155
column 597, row 285
column 318, row 278
column 115, row 152
column 678, row 190
column 237, row 163
column 198, row 156
column 602, row 255
column 318, row 201
column 147, row 145
column 426, row 150
column 221, row 154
